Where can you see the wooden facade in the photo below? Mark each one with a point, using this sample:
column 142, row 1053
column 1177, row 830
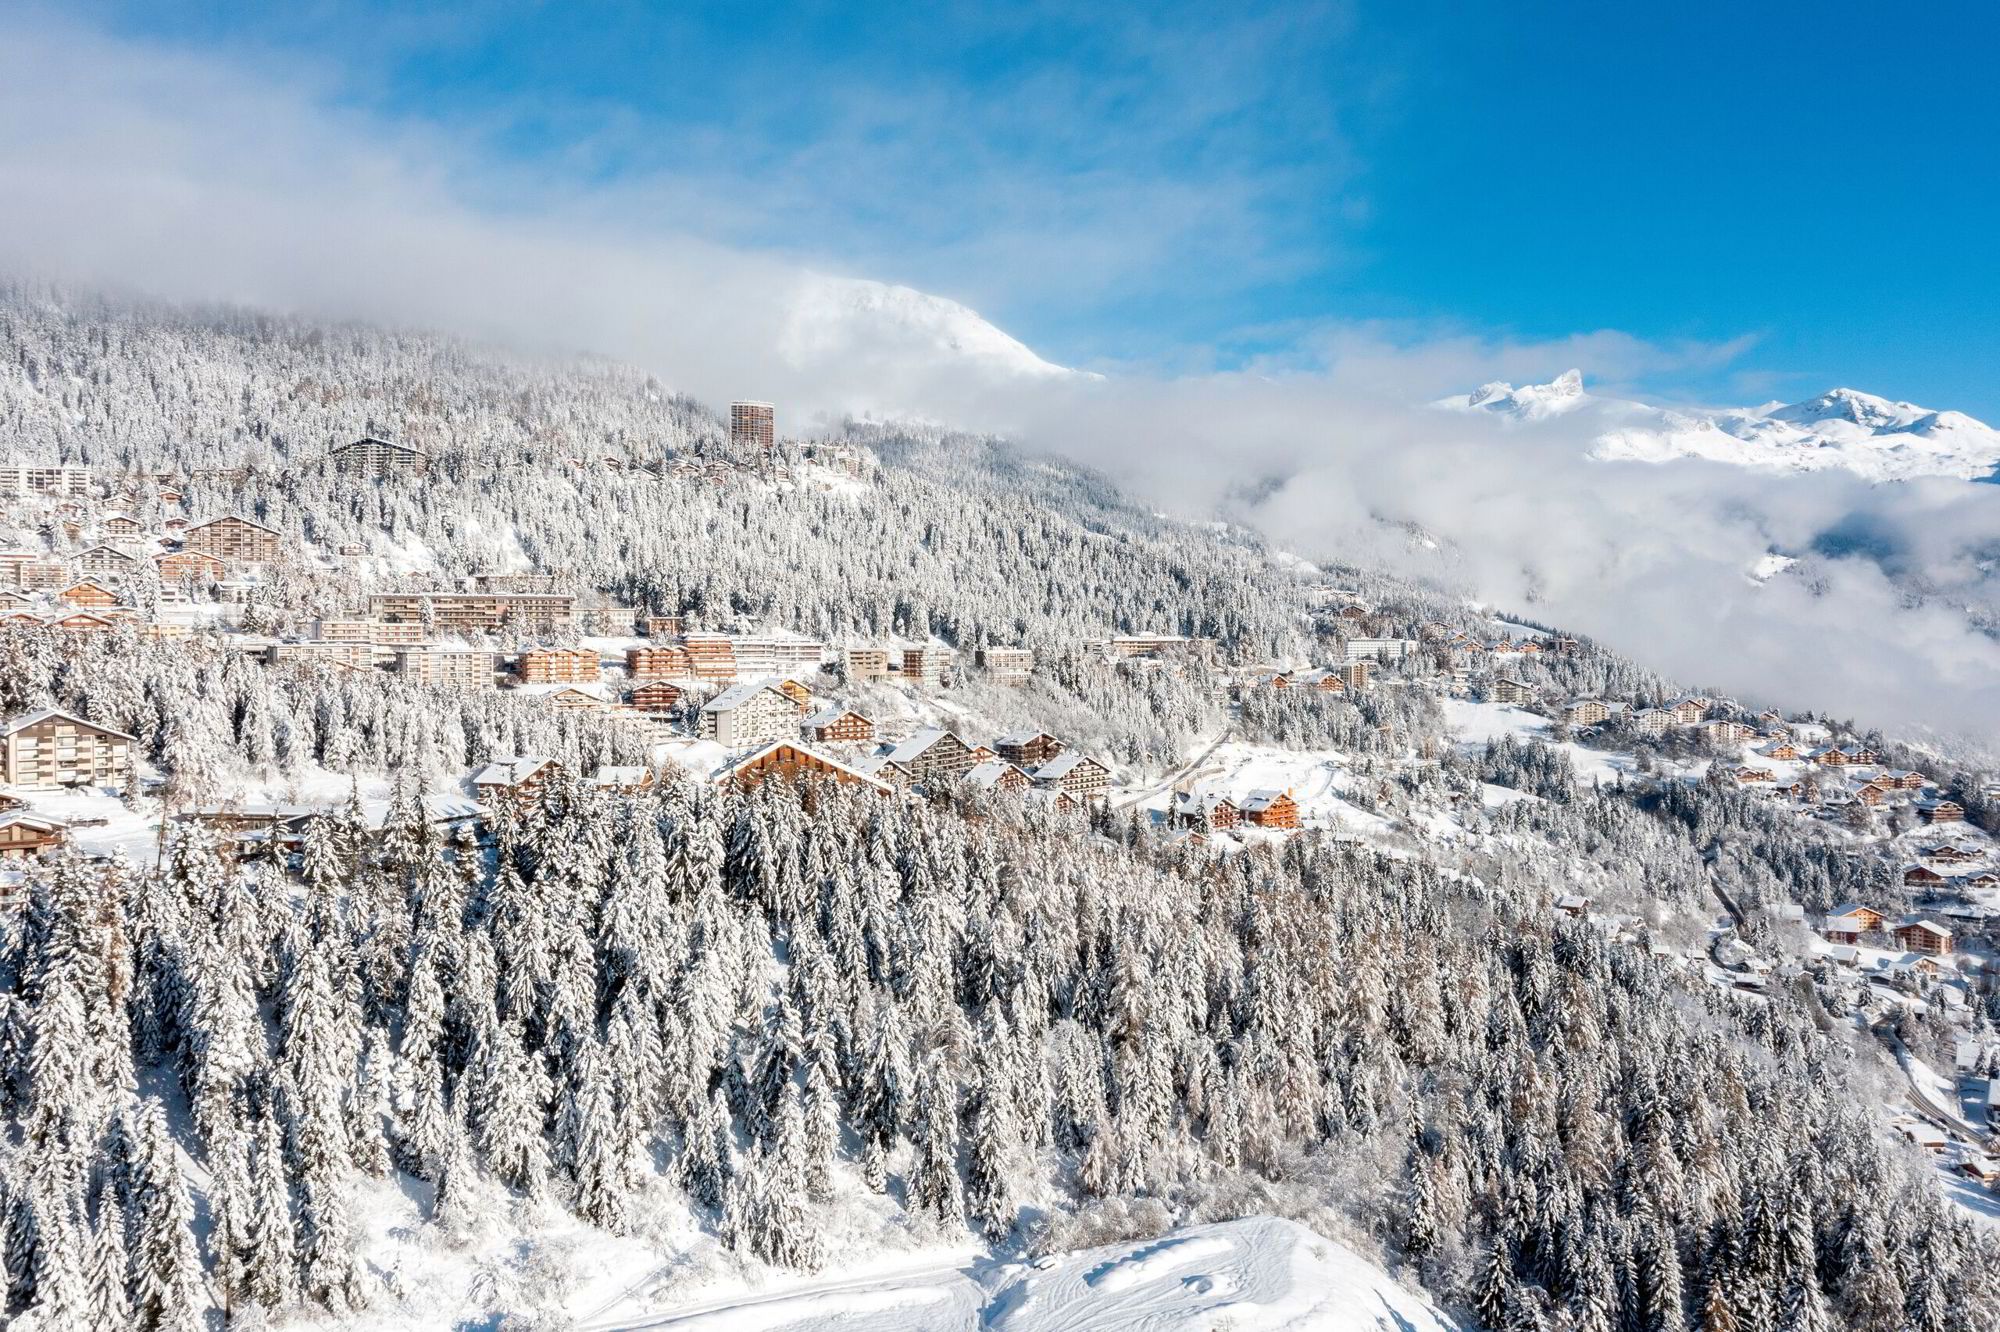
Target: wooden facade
column 23, row 835
column 788, row 762
column 51, row 750
column 195, row 564
column 1271, row 809
column 839, row 725
column 558, row 666
column 656, row 696
column 1028, row 749
column 235, row 540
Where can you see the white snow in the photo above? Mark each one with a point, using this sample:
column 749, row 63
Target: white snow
column 1258, row 1273
column 1873, row 437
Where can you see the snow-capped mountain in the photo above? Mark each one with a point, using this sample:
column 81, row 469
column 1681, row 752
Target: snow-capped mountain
column 1844, row 428
column 837, row 319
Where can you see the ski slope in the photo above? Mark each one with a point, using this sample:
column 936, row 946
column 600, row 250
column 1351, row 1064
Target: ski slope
column 1258, row 1274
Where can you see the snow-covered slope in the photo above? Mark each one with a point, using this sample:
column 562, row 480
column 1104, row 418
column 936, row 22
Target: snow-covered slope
column 835, row 319
column 1259, row 1274
column 1870, row 436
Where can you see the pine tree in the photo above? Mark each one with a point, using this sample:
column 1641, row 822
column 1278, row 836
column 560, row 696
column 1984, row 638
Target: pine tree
column 166, row 1269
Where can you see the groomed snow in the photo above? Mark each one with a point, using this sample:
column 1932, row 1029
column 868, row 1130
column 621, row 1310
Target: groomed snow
column 1258, row 1274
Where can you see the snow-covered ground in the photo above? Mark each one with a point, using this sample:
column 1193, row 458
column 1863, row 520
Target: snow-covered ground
column 1246, row 1275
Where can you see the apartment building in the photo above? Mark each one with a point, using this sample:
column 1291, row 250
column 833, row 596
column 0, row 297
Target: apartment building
column 49, row 750
column 455, row 668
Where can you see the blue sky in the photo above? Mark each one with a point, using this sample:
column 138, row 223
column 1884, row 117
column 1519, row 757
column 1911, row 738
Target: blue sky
column 1165, row 186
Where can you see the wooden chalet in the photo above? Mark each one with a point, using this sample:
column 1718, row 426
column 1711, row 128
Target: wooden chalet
column 801, row 696
column 661, row 661
column 1922, row 876
column 656, row 696
column 235, row 538
column 514, row 776
column 1846, row 924
column 786, row 761
column 997, row 774
column 932, row 755
column 1079, row 774
column 558, row 666
column 1028, row 749
column 1271, row 809
column 23, row 835
column 82, row 622
column 106, row 560
column 839, row 725
column 89, row 594
column 1940, row 811
column 1949, row 854
column 198, row 565
column 120, row 525
column 1209, row 809
column 1920, row 934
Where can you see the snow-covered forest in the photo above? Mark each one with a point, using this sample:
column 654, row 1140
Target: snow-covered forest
column 768, row 1018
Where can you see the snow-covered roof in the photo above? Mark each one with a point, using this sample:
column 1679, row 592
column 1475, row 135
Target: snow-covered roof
column 737, row 695
column 1022, row 738
column 1062, row 765
column 851, row 770
column 591, row 691
column 1926, row 924
column 1261, row 800
column 916, row 745
column 510, row 771
column 635, row 775
column 24, row 818
column 52, row 714
column 985, row 776
column 828, row 716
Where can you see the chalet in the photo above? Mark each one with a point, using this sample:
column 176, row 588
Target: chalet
column 88, row 594
column 23, row 835
column 120, row 525
column 625, row 780
column 514, row 776
column 1726, row 731
column 1198, row 809
column 1846, row 924
column 1501, row 689
column 801, row 696
column 1805, row 792
column 1079, row 774
column 168, row 495
column 1922, row 876
column 1940, row 811
column 1573, row 905
column 1746, row 776
column 11, row 600
column 84, row 622
column 1948, row 854
column 1586, row 711
column 1903, row 780
column 51, row 750
column 1920, row 934
column 377, row 458
column 665, row 626
column 656, row 696
column 838, row 725
column 932, row 756
column 235, row 539
column 710, row 656
column 1871, row 796
column 1783, row 751
column 1028, row 749
column 567, row 697
column 748, row 714
column 661, row 662
column 106, row 560
column 558, row 666
column 194, row 564
column 1271, row 809
column 997, row 775
column 1927, row 1136
column 789, row 761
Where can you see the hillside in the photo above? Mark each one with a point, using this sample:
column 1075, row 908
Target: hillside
column 1385, row 944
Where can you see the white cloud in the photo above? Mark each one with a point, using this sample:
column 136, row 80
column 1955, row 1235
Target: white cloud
column 197, row 177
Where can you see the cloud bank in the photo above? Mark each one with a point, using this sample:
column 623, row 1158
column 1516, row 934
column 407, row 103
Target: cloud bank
column 193, row 177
